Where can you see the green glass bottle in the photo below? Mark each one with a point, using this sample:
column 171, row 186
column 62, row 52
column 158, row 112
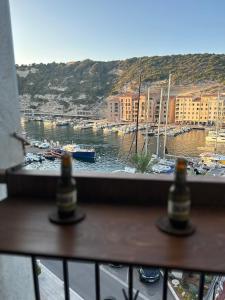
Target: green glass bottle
column 66, row 193
column 179, row 201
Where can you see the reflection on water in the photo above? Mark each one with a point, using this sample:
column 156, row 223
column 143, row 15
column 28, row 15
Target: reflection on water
column 111, row 149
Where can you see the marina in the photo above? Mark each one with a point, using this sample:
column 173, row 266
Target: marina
column 111, row 148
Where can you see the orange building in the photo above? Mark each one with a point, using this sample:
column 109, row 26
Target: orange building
column 129, row 107
column 171, row 110
column 124, row 108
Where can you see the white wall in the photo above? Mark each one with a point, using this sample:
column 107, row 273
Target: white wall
column 16, row 281
column 11, row 153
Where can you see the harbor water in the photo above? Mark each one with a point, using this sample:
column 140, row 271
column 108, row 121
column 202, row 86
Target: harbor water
column 112, row 150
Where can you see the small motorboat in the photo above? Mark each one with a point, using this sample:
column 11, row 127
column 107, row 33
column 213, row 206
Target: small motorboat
column 62, row 123
column 48, row 155
column 44, row 145
column 57, row 153
column 159, row 168
column 31, row 157
column 80, row 153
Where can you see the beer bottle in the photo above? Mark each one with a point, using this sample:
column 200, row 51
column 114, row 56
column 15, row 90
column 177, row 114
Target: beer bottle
column 179, row 201
column 66, row 193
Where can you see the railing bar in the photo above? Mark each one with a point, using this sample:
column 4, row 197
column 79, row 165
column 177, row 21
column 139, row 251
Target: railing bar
column 97, row 281
column 66, row 280
column 201, row 286
column 130, row 282
column 165, row 284
column 35, row 278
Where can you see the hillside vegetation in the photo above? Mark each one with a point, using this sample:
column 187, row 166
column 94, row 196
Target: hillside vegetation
column 88, row 82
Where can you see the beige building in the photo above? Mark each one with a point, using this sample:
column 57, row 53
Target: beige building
column 113, row 111
column 199, row 110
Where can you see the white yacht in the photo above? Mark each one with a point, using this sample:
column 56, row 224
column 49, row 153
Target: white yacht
column 213, row 136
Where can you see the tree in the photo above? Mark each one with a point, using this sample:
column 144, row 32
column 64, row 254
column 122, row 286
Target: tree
column 141, row 161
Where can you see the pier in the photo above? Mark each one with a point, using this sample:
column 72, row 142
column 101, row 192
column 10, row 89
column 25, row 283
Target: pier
column 79, row 114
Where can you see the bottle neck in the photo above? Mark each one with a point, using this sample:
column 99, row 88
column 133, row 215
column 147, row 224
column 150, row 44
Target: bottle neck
column 66, row 174
column 180, row 178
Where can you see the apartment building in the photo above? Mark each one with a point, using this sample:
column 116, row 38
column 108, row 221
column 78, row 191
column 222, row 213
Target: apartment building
column 124, row 108
column 206, row 109
column 171, row 110
column 129, row 107
column 113, row 111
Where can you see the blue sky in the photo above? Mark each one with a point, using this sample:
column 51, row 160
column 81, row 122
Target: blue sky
column 71, row 30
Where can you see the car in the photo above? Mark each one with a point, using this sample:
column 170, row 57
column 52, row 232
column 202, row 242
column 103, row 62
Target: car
column 149, row 275
column 116, row 265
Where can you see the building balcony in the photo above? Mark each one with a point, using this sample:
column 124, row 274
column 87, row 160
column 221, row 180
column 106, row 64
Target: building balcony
column 120, row 225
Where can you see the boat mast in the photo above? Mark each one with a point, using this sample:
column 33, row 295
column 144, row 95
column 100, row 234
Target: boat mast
column 221, row 114
column 217, row 120
column 159, row 121
column 137, row 120
column 147, row 119
column 167, row 108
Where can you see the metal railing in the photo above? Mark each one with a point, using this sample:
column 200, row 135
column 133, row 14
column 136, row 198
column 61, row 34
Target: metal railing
column 131, row 293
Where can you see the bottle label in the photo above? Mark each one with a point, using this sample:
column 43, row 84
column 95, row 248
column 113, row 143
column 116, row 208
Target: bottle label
column 179, row 210
column 66, row 201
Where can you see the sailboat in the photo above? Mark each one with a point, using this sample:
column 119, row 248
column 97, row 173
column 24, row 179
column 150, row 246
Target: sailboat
column 135, row 137
column 162, row 165
column 217, row 135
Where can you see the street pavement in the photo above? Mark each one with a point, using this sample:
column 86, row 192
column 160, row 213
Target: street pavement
column 112, row 281
column 52, row 287
column 3, row 191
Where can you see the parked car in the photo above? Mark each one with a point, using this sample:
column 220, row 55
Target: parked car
column 149, row 275
column 115, row 265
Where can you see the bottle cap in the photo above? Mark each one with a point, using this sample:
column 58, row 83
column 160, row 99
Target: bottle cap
column 181, row 165
column 66, row 160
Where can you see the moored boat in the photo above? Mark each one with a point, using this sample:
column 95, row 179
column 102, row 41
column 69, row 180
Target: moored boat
column 32, row 157
column 62, row 123
column 48, row 155
column 160, row 168
column 78, row 152
column 208, row 158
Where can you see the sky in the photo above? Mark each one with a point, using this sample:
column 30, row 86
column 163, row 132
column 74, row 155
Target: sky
column 72, row 30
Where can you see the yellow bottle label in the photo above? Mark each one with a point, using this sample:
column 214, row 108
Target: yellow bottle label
column 179, row 210
column 66, row 201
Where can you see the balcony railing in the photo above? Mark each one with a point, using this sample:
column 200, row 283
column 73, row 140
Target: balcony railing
column 119, row 228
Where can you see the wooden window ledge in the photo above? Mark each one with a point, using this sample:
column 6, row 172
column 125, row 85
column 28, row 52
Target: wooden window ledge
column 115, row 233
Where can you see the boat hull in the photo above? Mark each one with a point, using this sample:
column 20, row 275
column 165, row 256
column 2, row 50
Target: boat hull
column 82, row 155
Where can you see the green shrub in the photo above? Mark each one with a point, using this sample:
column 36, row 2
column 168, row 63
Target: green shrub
column 141, row 162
